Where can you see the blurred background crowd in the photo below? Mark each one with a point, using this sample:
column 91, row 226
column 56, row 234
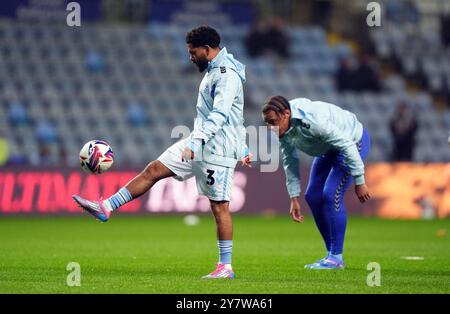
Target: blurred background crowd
column 124, row 75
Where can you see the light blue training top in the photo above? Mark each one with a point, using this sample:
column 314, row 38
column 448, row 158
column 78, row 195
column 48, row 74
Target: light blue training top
column 316, row 128
column 219, row 125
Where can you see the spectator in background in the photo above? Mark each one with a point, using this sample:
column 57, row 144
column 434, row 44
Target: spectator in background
column 358, row 78
column 277, row 40
column 345, row 75
column 254, row 41
column 321, row 13
column 403, row 128
column 366, row 76
column 271, row 39
column 445, row 26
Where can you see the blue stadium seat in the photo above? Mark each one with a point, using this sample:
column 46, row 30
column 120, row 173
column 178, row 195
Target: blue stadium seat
column 34, row 62
column 17, row 113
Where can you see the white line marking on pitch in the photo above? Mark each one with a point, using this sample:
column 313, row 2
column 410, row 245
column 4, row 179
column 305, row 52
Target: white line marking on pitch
column 413, row 258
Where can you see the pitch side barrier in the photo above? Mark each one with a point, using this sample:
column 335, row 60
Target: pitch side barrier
column 402, row 190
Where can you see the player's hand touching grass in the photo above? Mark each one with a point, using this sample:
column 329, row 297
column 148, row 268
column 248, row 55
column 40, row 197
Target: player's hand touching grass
column 295, row 210
column 362, row 191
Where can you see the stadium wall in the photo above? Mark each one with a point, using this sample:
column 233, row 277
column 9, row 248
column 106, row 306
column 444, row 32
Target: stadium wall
column 402, row 190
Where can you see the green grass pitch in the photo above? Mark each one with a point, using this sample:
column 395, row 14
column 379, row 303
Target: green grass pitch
column 160, row 254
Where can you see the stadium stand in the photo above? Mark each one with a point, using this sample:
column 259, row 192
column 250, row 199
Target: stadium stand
column 130, row 85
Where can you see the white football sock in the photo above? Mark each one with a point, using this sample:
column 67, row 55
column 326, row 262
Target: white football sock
column 107, row 205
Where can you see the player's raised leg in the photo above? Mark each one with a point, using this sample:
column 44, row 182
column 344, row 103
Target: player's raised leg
column 140, row 184
column 224, row 227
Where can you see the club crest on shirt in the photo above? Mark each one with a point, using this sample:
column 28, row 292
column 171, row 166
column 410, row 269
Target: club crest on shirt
column 210, row 91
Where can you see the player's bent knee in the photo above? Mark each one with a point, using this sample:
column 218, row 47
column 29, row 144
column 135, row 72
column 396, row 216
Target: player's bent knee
column 329, row 198
column 313, row 199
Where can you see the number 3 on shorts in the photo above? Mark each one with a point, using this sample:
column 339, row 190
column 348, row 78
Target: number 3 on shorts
column 210, row 178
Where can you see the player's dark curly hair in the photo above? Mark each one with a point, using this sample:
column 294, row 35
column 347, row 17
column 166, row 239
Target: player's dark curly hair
column 202, row 36
column 277, row 104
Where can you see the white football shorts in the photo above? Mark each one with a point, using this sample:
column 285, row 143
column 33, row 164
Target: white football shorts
column 213, row 181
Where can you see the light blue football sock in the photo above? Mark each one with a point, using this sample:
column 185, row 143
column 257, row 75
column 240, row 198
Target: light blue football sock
column 225, row 251
column 120, row 198
column 337, row 256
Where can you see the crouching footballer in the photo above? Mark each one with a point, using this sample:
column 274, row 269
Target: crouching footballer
column 339, row 143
